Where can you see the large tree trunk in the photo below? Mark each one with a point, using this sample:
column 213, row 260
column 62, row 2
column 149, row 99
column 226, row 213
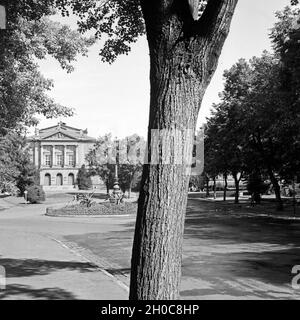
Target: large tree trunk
column 183, row 56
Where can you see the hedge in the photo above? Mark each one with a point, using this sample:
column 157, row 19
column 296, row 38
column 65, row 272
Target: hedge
column 97, row 209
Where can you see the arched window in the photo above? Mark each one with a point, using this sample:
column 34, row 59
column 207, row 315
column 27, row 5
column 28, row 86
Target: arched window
column 47, row 180
column 71, row 179
column 59, row 179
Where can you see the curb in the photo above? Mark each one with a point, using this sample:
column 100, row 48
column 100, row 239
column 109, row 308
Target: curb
column 89, row 216
column 90, row 258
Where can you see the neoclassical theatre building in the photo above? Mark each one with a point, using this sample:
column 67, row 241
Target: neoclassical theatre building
column 59, row 152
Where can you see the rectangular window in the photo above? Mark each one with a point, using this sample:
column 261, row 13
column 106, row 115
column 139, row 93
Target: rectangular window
column 47, row 160
column 71, row 160
column 59, row 159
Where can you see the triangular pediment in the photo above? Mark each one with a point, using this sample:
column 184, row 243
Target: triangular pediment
column 58, row 136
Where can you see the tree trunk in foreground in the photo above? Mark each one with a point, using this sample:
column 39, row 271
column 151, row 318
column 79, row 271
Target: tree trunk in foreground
column 183, row 57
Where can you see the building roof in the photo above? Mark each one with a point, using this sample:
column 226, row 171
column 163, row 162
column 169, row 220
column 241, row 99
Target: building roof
column 61, row 132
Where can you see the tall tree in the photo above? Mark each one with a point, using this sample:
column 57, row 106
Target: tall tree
column 286, row 40
column 183, row 56
column 224, row 144
column 257, row 123
column 102, row 160
column 16, row 170
column 184, row 50
column 31, row 36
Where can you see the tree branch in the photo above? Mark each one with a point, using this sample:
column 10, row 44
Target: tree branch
column 215, row 16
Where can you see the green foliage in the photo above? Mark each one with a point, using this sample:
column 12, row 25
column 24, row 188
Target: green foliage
column 106, row 208
column 16, row 169
column 256, row 186
column 119, row 23
column 130, row 156
column 84, row 180
column 28, row 176
column 100, row 160
column 86, row 200
column 35, row 194
column 285, row 36
column 197, row 182
column 31, row 36
column 256, row 127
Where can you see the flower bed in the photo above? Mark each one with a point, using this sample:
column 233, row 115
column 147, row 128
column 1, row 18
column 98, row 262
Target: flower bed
column 96, row 209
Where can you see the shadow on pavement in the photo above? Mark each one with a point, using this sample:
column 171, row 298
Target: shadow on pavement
column 121, row 271
column 33, row 267
column 26, row 292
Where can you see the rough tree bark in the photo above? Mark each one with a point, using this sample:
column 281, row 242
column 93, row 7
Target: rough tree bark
column 183, row 56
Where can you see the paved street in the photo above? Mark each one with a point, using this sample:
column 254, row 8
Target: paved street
column 39, row 266
column 226, row 255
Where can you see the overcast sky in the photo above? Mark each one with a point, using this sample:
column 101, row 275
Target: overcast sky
column 115, row 98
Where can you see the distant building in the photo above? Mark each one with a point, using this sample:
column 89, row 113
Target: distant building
column 59, row 152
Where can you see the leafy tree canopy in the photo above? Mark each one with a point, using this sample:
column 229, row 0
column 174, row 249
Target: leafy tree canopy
column 16, row 169
column 31, row 36
column 118, row 23
column 128, row 152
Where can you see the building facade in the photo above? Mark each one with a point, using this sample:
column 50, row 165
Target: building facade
column 59, row 152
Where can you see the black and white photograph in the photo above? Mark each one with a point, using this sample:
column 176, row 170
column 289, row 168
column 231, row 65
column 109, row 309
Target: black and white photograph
column 149, row 151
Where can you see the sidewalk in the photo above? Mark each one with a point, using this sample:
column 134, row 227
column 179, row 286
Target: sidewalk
column 38, row 267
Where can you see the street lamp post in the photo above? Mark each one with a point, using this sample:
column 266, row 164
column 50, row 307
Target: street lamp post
column 116, row 187
column 26, row 196
column 3, row 14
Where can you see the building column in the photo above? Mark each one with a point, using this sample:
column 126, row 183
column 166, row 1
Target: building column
column 53, row 156
column 65, row 164
column 76, row 164
column 36, row 154
column 40, row 155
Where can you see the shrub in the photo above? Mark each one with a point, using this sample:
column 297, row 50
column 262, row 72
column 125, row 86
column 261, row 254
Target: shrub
column 35, row 194
column 256, row 187
column 87, row 200
column 106, row 208
column 84, row 180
